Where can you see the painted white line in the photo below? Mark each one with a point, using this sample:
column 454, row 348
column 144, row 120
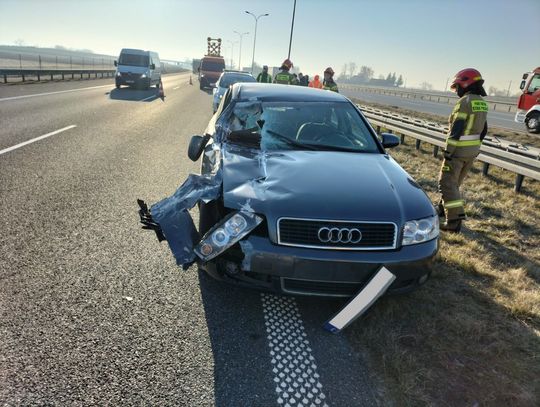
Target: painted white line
column 55, row 93
column 149, row 97
column 7, row 150
column 295, row 372
column 178, row 87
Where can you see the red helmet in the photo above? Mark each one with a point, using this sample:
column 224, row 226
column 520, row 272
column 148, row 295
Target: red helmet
column 329, row 70
column 287, row 63
column 466, row 77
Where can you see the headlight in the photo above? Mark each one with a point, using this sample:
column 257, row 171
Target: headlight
column 118, row 74
column 202, row 75
column 227, row 233
column 420, row 231
column 143, row 76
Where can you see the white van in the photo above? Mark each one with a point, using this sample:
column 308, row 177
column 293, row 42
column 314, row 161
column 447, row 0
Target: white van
column 137, row 68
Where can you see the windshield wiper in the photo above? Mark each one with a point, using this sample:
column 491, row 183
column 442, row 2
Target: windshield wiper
column 290, row 141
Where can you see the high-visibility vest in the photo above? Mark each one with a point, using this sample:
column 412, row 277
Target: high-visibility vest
column 264, row 77
column 330, row 86
column 284, row 78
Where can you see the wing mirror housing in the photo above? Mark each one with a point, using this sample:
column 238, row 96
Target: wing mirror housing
column 196, row 146
column 153, row 66
column 390, row 140
column 115, row 63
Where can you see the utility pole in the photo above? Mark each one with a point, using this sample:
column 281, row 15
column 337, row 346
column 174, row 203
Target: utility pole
column 446, row 86
column 508, row 91
column 232, row 51
column 255, row 36
column 241, row 35
column 292, row 29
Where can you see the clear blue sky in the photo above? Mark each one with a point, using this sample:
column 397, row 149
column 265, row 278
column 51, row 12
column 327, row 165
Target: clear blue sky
column 424, row 40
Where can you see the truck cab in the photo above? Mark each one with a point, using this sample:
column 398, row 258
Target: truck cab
column 210, row 70
column 529, row 101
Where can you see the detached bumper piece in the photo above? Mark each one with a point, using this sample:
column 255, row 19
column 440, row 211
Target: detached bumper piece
column 148, row 222
column 362, row 301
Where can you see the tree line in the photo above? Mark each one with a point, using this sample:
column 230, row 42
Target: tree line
column 365, row 75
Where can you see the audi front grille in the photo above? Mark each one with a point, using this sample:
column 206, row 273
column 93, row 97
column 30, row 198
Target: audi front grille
column 337, row 235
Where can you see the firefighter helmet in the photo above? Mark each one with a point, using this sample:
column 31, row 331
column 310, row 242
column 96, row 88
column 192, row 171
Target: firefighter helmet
column 329, row 70
column 466, row 77
column 287, row 63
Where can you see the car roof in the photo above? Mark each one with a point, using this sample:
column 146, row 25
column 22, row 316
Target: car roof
column 236, row 73
column 276, row 92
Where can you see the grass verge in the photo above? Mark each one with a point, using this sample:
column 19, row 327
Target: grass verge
column 471, row 335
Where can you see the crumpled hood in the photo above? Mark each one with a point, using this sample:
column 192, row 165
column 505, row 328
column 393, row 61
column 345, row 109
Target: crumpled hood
column 321, row 185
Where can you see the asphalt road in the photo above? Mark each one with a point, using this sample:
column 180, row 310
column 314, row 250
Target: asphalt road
column 499, row 119
column 94, row 311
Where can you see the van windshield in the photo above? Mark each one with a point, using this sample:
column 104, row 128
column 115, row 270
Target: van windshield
column 133, row 60
column 213, row 66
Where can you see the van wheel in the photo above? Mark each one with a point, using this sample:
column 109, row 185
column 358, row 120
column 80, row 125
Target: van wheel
column 117, row 86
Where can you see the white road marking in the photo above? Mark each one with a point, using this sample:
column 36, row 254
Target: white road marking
column 149, row 97
column 7, row 150
column 295, row 372
column 178, row 87
column 55, row 93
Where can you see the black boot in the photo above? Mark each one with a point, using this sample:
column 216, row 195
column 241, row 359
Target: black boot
column 453, row 226
column 440, row 209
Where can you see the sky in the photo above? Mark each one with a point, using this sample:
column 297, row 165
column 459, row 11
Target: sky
column 423, row 40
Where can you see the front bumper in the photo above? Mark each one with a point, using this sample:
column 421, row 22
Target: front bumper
column 294, row 270
column 132, row 80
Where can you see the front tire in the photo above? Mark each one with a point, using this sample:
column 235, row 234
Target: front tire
column 533, row 123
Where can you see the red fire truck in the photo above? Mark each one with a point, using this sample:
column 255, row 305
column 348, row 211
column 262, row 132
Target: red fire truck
column 529, row 101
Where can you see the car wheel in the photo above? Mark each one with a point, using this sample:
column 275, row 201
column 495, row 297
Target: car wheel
column 201, row 86
column 117, row 86
column 533, row 123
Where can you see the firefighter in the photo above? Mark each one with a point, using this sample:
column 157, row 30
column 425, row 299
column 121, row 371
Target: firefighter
column 264, row 76
column 468, row 127
column 328, row 82
column 315, row 83
column 284, row 76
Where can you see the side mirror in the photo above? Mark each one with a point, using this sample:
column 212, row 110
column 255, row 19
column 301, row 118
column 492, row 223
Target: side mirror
column 525, row 76
column 389, row 140
column 196, row 146
column 153, row 66
column 522, row 85
column 115, row 63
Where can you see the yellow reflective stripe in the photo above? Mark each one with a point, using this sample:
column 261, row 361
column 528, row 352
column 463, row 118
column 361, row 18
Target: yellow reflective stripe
column 477, row 78
column 470, row 137
column 461, row 115
column 454, row 204
column 466, row 143
column 470, row 124
column 479, row 106
column 445, row 168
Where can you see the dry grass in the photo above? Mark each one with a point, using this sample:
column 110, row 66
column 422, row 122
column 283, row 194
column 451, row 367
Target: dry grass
column 471, row 335
column 523, row 137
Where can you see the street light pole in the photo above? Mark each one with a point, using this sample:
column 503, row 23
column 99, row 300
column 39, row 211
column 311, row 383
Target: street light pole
column 292, row 28
column 232, row 51
column 241, row 35
column 255, row 36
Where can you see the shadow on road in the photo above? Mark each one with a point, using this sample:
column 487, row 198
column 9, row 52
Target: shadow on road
column 134, row 95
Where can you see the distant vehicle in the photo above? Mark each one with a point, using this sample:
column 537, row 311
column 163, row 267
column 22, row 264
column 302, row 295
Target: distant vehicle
column 227, row 79
column 137, row 68
column 210, row 70
column 212, row 65
column 529, row 101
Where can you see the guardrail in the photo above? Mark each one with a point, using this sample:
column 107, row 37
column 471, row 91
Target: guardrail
column 25, row 73
column 494, row 104
column 521, row 160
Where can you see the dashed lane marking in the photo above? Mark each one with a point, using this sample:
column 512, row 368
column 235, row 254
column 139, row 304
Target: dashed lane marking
column 293, row 366
column 7, row 150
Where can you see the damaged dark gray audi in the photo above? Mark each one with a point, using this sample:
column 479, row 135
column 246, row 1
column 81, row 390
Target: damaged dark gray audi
column 297, row 195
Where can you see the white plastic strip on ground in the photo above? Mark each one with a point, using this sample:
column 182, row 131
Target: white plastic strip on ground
column 7, row 150
column 362, row 301
column 293, row 366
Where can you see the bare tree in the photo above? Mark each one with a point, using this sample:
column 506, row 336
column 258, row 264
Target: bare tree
column 399, row 81
column 352, row 68
column 366, row 73
column 426, row 86
column 19, row 41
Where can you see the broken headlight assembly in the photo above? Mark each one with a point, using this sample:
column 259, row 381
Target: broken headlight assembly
column 225, row 234
column 420, row 231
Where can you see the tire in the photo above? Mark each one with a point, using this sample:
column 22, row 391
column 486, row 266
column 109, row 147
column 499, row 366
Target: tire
column 533, row 123
column 117, row 86
column 201, row 86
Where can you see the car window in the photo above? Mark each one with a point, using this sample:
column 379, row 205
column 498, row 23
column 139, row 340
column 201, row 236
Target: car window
column 315, row 125
column 535, row 84
column 133, row 60
column 230, row 79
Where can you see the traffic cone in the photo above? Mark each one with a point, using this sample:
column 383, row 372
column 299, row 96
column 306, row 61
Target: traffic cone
column 190, row 81
column 161, row 93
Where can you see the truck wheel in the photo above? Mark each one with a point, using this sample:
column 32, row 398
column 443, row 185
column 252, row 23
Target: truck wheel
column 533, row 123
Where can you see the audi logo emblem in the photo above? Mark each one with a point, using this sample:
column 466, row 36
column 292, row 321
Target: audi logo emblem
column 339, row 235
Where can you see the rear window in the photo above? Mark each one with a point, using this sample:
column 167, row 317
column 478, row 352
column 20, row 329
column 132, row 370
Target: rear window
column 230, row 79
column 213, row 66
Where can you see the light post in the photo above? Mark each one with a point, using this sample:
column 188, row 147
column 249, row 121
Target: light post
column 292, row 28
column 241, row 35
column 232, row 51
column 255, row 36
